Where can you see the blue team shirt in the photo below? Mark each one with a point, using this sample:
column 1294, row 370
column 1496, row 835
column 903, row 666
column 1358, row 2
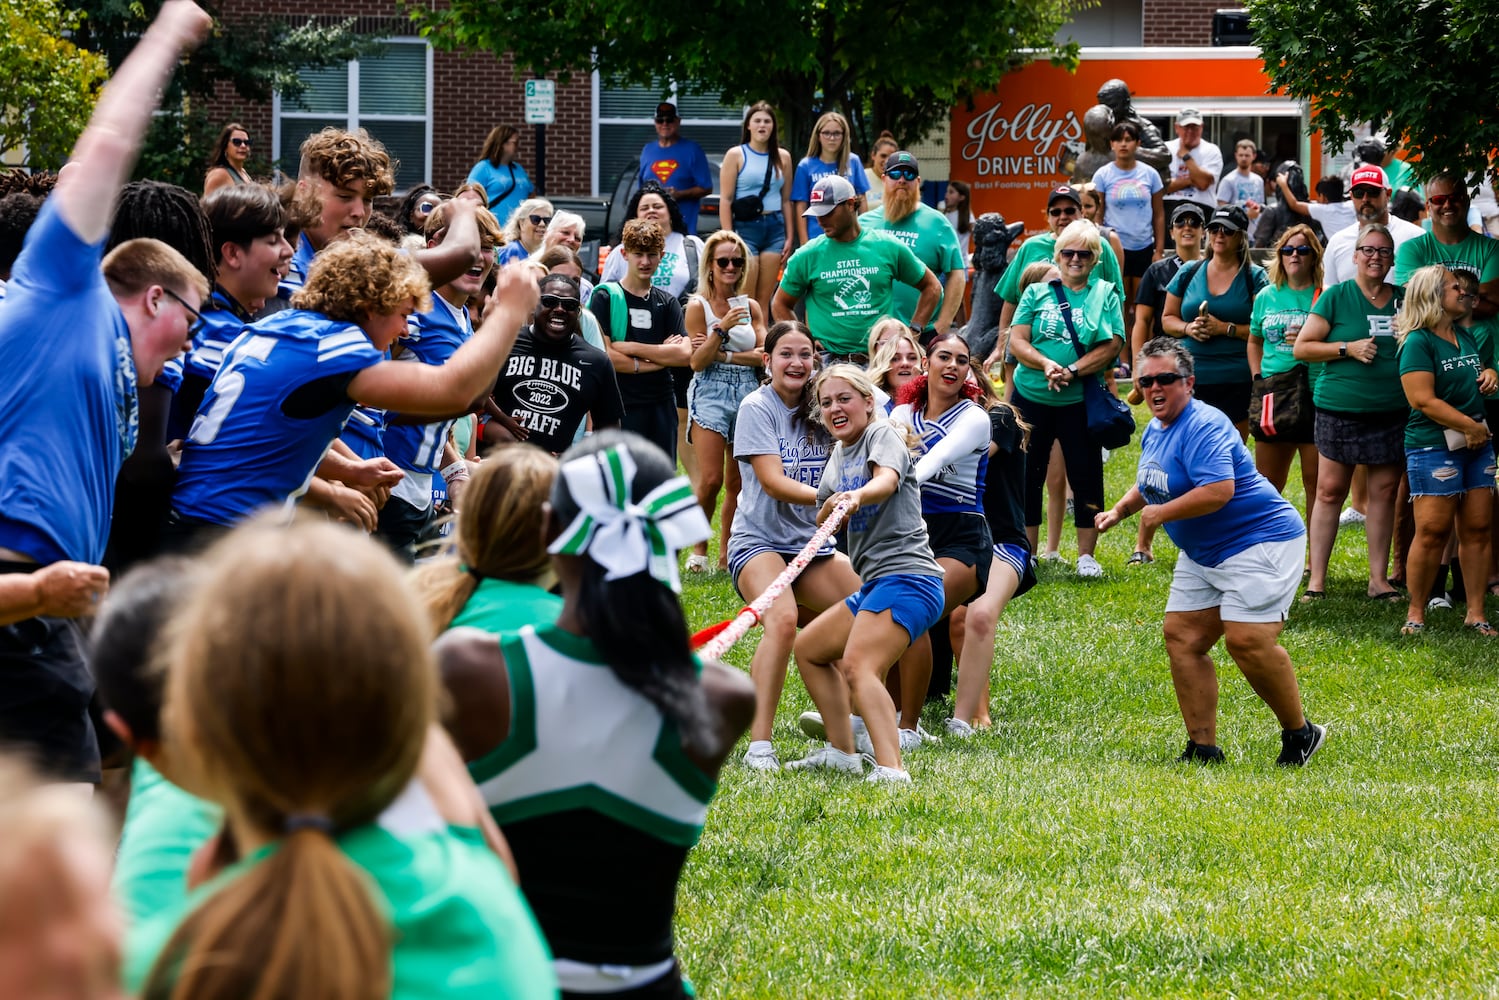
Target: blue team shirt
column 814, row 168
column 68, row 410
column 243, row 453
column 224, row 319
column 301, row 263
column 1201, row 446
column 365, row 431
column 680, row 165
column 432, row 338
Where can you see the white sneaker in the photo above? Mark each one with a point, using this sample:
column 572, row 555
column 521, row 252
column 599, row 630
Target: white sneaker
column 959, row 728
column 810, row 723
column 1052, row 557
column 697, row 563
column 888, row 775
column 1441, row 602
column 762, row 757
column 910, row 739
column 1350, row 516
column 862, row 742
column 1088, row 568
column 829, row 758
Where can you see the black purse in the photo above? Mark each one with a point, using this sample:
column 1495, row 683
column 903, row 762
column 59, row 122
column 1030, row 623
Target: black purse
column 751, row 207
column 1110, row 422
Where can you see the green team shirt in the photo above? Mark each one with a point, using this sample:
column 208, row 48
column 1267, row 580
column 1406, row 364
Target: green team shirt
column 1475, row 253
column 1043, row 246
column 1277, row 309
column 847, row 286
column 931, row 237
column 163, row 827
column 1456, row 368
column 1095, row 313
column 501, row 606
column 462, row 930
column 1347, row 385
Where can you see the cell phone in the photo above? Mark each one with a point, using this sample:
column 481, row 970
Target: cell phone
column 1202, row 311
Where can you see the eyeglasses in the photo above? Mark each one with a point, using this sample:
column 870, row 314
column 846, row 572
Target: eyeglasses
column 902, row 174
column 197, row 317
column 831, row 134
column 1302, row 251
column 1365, row 191
column 728, row 262
column 1082, row 255
column 1443, row 200
column 1165, row 378
column 565, row 303
column 665, row 119
column 1467, row 296
column 1064, row 210
column 239, row 142
column 540, row 221
column 1383, row 253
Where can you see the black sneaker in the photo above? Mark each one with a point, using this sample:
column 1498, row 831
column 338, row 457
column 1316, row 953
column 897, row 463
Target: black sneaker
column 1198, row 753
column 1298, row 745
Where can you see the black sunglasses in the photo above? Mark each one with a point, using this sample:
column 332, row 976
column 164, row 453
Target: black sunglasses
column 540, row 221
column 665, row 119
column 565, row 303
column 729, row 261
column 1054, row 212
column 1084, row 255
column 1302, row 251
column 1165, row 378
column 239, row 142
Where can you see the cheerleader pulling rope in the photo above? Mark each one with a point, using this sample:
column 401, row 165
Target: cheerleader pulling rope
column 715, row 640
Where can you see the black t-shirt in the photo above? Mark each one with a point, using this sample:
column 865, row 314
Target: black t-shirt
column 549, row 387
column 651, row 320
column 1152, row 290
column 1004, row 480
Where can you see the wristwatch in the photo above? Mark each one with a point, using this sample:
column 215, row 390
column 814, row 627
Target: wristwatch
column 1072, row 370
column 1233, row 332
column 1343, row 350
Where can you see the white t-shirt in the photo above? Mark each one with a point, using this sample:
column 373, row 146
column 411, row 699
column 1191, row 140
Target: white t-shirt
column 1334, row 217
column 1209, row 158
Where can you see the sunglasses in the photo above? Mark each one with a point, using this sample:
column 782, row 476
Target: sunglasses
column 1443, row 200
column 901, row 174
column 565, row 303
column 665, row 119
column 197, row 317
column 1221, row 231
column 1364, row 191
column 728, row 262
column 1083, row 255
column 426, row 207
column 1165, row 378
column 1383, row 253
column 540, row 221
column 239, row 142
column 1188, row 222
column 1054, row 212
column 1296, row 251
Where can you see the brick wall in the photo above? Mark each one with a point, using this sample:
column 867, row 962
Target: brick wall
column 471, row 93
column 1180, row 22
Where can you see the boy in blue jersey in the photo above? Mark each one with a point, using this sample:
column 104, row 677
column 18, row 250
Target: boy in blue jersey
column 75, row 342
column 417, row 448
column 341, row 175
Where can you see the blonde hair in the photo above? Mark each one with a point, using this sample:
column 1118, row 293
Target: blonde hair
column 361, row 276
column 1422, row 308
column 136, row 265
column 489, row 227
column 857, row 378
column 1079, row 235
column 1036, row 271
column 709, row 245
column 300, row 689
column 814, row 145
column 498, row 535
column 1276, row 273
column 884, row 324
column 884, row 356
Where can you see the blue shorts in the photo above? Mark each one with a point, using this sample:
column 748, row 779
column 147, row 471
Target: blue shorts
column 715, row 394
column 915, row 602
column 1437, row 472
column 767, row 234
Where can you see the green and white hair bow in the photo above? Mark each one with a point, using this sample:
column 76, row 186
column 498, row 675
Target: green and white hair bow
column 626, row 537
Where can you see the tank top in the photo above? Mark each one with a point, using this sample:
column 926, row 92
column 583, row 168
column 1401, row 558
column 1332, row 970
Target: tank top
column 752, row 176
column 720, row 371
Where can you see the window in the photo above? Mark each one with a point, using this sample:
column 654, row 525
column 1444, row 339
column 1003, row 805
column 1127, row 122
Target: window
column 389, row 94
column 625, row 118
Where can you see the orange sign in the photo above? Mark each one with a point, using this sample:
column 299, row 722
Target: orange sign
column 1011, row 146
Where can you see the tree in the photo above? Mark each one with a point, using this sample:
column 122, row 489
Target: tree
column 888, row 64
column 50, row 83
column 1424, row 70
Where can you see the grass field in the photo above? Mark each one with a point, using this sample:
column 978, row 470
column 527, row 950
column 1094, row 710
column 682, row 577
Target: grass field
column 1063, row 853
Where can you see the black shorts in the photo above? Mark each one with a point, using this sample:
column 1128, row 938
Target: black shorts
column 1362, row 438
column 681, row 381
column 964, row 538
column 656, row 422
column 1230, row 397
column 44, row 701
column 1136, row 261
column 401, row 526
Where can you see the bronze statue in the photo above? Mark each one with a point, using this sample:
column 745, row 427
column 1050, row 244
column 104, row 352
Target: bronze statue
column 1114, row 95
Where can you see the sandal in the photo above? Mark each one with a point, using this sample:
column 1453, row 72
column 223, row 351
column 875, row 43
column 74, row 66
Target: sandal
column 697, row 563
column 1413, row 628
column 1388, row 597
column 1484, row 629
column 1140, row 559
column 1309, row 596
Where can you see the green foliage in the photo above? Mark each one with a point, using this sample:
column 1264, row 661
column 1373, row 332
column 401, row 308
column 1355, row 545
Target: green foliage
column 1424, row 69
column 50, row 83
column 888, row 64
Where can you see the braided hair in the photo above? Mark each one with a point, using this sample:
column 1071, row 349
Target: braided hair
column 168, row 213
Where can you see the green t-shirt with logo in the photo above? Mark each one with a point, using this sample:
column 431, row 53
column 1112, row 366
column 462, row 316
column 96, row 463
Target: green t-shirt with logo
column 1347, row 385
column 1043, row 246
column 1455, row 368
column 931, row 237
column 502, row 606
column 1478, row 254
column 1277, row 309
column 847, row 286
column 1095, row 314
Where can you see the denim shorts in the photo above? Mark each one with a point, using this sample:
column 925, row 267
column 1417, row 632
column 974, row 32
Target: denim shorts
column 1437, row 472
column 767, row 234
column 914, row 601
column 715, row 394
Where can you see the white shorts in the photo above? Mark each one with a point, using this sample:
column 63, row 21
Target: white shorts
column 1256, row 585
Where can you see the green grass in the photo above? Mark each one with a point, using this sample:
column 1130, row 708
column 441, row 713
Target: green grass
column 1064, row 854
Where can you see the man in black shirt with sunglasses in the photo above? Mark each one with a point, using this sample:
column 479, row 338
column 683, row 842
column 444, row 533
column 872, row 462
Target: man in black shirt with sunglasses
column 553, row 378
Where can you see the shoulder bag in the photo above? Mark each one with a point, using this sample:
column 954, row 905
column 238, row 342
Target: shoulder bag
column 1110, row 422
column 751, row 207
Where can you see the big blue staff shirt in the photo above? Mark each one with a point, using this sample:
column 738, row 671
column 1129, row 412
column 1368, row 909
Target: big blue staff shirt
column 68, row 410
column 1199, row 447
column 245, row 452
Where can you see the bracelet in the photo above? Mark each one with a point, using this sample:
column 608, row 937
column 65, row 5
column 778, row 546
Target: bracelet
column 637, row 365
column 457, row 472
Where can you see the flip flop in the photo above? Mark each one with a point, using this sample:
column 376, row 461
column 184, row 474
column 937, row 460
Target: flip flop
column 1414, row 628
column 1309, row 596
column 1388, row 597
column 1140, row 559
column 1484, row 629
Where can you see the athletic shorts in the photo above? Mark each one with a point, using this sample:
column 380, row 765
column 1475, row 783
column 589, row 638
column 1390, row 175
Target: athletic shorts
column 914, row 601
column 1372, row 439
column 1437, row 472
column 1256, row 585
column 1018, row 558
column 1230, row 397
column 964, row 538
column 1137, row 261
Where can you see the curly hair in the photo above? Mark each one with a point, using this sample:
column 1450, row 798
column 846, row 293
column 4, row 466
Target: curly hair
column 642, row 236
column 361, row 276
column 341, row 157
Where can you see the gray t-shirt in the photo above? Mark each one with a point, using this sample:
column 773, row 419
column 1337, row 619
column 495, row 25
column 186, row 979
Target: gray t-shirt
column 765, row 426
column 884, row 538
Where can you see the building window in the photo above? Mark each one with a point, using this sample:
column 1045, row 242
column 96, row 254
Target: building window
column 389, row 94
column 625, row 119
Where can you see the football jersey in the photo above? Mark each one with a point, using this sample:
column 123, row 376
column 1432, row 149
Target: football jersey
column 224, row 319
column 432, row 337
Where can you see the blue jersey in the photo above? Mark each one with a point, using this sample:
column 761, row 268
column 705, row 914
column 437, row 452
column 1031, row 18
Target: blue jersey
column 301, row 263
column 224, row 319
column 244, row 452
column 68, row 410
column 432, row 337
column 365, row 431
